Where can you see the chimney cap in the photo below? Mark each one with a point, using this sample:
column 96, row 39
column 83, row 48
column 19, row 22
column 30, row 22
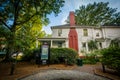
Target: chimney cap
column 72, row 18
column 71, row 11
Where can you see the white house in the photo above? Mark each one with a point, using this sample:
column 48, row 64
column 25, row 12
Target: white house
column 77, row 37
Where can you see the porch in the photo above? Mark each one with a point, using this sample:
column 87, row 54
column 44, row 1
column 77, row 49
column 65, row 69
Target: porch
column 54, row 42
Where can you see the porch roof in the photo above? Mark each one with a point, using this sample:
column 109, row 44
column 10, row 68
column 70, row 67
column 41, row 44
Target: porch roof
column 102, row 39
column 52, row 39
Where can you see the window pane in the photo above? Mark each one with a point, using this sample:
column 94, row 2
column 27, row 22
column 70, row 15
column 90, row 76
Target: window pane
column 97, row 34
column 59, row 32
column 84, row 45
column 85, row 32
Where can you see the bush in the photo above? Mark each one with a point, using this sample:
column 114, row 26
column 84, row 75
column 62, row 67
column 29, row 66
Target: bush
column 57, row 53
column 30, row 54
column 111, row 58
column 92, row 58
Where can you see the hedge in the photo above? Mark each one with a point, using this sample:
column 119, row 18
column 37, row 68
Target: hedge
column 57, row 55
column 68, row 54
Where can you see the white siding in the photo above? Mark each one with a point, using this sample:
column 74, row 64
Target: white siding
column 64, row 34
column 54, row 32
column 111, row 32
column 104, row 33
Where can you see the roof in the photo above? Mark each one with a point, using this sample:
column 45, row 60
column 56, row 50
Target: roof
column 67, row 26
column 102, row 39
column 52, row 38
column 61, row 26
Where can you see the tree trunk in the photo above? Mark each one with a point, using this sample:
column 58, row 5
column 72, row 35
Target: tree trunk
column 103, row 67
column 10, row 48
column 11, row 44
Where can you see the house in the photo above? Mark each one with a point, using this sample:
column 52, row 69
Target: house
column 77, row 37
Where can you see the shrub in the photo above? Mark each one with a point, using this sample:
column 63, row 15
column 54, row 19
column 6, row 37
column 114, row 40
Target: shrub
column 111, row 58
column 92, row 58
column 57, row 53
column 30, row 54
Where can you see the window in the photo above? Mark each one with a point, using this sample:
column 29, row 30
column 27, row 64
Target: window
column 97, row 35
column 85, row 32
column 59, row 44
column 84, row 45
column 100, row 45
column 59, row 32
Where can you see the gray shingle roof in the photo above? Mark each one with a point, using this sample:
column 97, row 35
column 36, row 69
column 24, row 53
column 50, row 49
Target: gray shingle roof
column 78, row 26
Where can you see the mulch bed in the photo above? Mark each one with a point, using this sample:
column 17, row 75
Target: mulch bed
column 108, row 74
column 26, row 68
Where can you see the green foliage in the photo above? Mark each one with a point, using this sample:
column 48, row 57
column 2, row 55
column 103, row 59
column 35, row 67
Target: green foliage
column 16, row 14
column 91, row 58
column 21, row 11
column 111, row 57
column 115, row 43
column 57, row 53
column 27, row 34
column 92, row 45
column 30, row 54
column 97, row 14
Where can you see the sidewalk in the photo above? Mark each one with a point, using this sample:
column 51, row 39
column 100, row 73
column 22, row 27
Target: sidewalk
column 63, row 75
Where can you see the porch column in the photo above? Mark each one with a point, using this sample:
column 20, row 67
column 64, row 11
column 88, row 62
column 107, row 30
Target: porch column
column 51, row 43
column 87, row 46
column 66, row 43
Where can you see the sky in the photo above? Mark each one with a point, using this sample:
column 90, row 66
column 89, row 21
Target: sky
column 72, row 5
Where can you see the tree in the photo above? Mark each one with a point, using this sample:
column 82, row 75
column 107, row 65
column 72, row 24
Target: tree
column 111, row 57
column 15, row 13
column 26, row 35
column 97, row 14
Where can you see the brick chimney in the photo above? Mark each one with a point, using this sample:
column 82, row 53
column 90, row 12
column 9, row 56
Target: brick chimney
column 73, row 35
column 72, row 18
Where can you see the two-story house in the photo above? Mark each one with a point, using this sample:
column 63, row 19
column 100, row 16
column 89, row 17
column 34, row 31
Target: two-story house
column 77, row 37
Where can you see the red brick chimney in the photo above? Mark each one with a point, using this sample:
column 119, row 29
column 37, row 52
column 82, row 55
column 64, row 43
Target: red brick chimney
column 72, row 18
column 73, row 36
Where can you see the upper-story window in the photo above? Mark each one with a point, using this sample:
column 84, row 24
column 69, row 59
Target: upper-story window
column 59, row 32
column 85, row 32
column 97, row 34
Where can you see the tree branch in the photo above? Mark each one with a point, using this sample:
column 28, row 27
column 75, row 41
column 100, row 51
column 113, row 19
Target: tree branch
column 28, row 19
column 16, row 3
column 5, row 24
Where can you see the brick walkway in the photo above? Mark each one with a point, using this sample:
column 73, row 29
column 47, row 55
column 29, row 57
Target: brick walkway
column 86, row 68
